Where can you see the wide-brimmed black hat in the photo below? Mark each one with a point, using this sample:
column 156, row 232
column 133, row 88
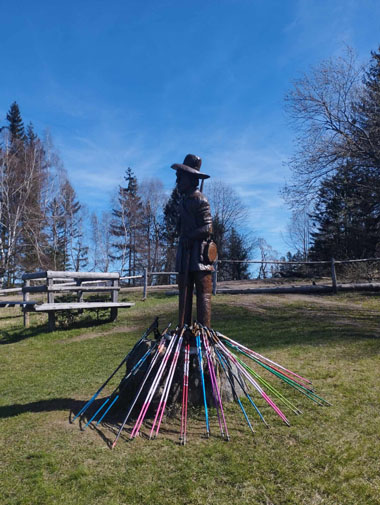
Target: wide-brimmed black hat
column 191, row 164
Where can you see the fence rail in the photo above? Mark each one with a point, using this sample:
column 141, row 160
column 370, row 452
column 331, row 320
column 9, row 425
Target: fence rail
column 147, row 274
column 280, row 262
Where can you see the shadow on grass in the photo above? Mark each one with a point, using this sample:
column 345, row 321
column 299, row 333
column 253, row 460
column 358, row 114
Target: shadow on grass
column 55, row 404
column 68, row 404
column 276, row 327
column 12, row 337
column 19, row 334
column 73, row 407
column 18, row 316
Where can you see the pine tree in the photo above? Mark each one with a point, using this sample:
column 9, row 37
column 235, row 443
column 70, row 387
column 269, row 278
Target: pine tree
column 126, row 225
column 15, row 124
column 294, row 270
column 75, row 250
column 346, row 217
column 57, row 246
column 66, row 249
column 237, row 248
column 171, row 232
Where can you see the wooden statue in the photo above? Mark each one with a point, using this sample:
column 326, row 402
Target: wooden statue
column 196, row 252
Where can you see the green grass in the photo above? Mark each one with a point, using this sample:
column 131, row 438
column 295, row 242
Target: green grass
column 328, row 456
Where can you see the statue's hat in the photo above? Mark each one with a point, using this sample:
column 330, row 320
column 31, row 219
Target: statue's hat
column 191, row 164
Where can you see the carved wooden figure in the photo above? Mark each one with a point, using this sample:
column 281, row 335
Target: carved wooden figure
column 196, row 252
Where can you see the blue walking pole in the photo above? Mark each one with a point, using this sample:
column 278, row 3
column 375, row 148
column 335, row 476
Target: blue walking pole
column 122, row 385
column 200, row 360
column 161, row 345
column 241, row 384
column 110, row 406
column 152, row 327
column 96, row 413
column 221, row 359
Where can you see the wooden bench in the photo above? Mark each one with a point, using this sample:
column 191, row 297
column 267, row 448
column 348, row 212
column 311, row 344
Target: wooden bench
column 9, row 303
column 52, row 282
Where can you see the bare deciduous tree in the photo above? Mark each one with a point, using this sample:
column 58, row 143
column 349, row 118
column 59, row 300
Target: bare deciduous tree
column 101, row 241
column 153, row 199
column 22, row 181
column 321, row 106
column 267, row 253
column 225, row 204
column 298, row 235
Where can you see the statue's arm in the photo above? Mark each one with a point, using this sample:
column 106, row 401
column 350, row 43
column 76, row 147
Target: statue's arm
column 203, row 220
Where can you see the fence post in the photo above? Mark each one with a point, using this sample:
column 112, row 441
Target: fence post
column 50, row 299
column 333, row 276
column 26, row 297
column 215, row 278
column 114, row 299
column 145, row 277
column 80, row 293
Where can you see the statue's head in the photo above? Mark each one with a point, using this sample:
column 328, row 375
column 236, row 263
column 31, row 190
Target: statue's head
column 188, row 173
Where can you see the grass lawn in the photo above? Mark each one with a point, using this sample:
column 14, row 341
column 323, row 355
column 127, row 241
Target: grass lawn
column 329, row 455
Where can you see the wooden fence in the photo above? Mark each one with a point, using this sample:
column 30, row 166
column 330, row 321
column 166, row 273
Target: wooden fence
column 147, row 275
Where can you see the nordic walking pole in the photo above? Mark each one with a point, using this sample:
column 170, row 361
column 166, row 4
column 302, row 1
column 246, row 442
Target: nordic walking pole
column 260, row 356
column 153, row 387
column 167, row 387
column 213, row 386
column 152, row 363
column 185, row 392
column 109, row 408
column 154, row 359
column 122, row 384
column 271, row 368
column 212, row 372
column 241, row 366
column 243, row 387
column 147, row 332
column 272, row 389
column 200, row 360
column 302, row 388
column 234, row 391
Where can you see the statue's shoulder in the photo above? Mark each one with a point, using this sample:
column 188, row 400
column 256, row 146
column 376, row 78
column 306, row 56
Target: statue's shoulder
column 198, row 197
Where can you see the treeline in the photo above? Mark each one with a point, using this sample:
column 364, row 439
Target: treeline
column 335, row 186
column 41, row 225
column 44, row 226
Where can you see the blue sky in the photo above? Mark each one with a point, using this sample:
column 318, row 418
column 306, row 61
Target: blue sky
column 141, row 84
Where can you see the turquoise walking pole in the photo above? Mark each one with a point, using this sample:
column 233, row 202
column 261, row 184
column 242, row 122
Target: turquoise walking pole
column 200, row 360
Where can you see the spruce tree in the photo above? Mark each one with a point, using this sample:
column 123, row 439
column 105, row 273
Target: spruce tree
column 15, row 124
column 126, row 225
column 237, row 248
column 171, row 232
column 57, row 243
column 73, row 233
column 346, row 217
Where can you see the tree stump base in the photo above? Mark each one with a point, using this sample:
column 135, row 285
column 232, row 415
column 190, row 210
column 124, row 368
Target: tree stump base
column 174, row 402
